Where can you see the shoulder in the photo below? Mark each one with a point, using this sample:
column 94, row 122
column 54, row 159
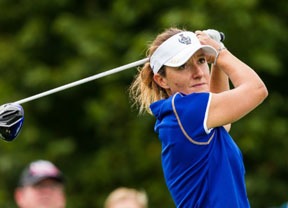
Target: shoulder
column 189, row 99
column 180, row 102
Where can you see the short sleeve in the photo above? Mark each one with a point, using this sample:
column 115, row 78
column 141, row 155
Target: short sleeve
column 191, row 112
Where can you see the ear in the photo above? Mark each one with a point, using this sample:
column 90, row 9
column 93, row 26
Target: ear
column 18, row 195
column 161, row 81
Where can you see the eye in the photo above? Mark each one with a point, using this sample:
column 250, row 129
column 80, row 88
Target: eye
column 184, row 66
column 202, row 60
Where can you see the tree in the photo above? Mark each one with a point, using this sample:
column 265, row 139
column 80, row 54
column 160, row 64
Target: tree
column 91, row 131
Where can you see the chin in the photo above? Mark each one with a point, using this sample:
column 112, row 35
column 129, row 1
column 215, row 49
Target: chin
column 203, row 91
column 200, row 89
column 195, row 91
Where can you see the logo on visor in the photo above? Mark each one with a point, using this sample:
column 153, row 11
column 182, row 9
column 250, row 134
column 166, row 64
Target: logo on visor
column 184, row 40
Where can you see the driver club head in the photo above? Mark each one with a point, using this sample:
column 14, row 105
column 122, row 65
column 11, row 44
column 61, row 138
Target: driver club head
column 11, row 121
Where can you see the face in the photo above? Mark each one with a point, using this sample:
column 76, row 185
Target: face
column 193, row 76
column 125, row 203
column 45, row 194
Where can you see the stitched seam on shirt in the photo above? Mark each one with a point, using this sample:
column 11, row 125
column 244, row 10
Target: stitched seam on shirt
column 182, row 128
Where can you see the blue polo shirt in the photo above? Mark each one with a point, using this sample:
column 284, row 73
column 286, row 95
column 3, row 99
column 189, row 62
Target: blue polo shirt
column 202, row 167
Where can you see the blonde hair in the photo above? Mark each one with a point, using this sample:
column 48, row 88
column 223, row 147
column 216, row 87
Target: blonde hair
column 144, row 90
column 124, row 193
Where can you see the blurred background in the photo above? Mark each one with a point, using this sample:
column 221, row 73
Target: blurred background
column 91, row 132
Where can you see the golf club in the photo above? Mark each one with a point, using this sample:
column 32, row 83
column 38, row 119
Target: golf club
column 12, row 114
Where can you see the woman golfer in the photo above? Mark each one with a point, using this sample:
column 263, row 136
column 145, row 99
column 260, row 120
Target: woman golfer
column 194, row 107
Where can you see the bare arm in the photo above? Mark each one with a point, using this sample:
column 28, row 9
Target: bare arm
column 249, row 92
column 229, row 106
column 219, row 82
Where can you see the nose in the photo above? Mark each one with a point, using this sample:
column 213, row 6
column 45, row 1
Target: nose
column 197, row 72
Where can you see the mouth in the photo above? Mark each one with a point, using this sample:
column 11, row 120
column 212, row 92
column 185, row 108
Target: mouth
column 199, row 85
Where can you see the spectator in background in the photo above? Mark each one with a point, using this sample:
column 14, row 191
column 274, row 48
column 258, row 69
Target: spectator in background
column 126, row 198
column 41, row 185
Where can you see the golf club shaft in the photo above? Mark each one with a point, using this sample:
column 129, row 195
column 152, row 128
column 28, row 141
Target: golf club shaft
column 82, row 81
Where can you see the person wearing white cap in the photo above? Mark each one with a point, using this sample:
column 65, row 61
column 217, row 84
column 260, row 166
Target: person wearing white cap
column 194, row 108
column 41, row 185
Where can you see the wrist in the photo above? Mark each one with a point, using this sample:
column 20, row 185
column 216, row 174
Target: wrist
column 221, row 48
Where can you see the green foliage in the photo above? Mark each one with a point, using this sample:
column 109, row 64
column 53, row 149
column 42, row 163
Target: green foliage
column 91, row 132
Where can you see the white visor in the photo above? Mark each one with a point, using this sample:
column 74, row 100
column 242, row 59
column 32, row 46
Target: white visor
column 177, row 50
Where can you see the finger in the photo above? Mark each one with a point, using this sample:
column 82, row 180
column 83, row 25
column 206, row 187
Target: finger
column 198, row 33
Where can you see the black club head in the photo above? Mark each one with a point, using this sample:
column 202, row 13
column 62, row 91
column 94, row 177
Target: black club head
column 11, row 121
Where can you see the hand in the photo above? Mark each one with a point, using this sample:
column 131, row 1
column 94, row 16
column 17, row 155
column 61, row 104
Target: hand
column 215, row 35
column 206, row 40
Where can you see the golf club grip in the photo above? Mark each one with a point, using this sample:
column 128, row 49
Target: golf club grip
column 82, row 81
column 215, row 35
column 222, row 36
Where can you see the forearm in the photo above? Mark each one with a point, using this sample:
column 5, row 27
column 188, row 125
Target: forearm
column 247, row 84
column 219, row 81
column 228, row 106
column 238, row 72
